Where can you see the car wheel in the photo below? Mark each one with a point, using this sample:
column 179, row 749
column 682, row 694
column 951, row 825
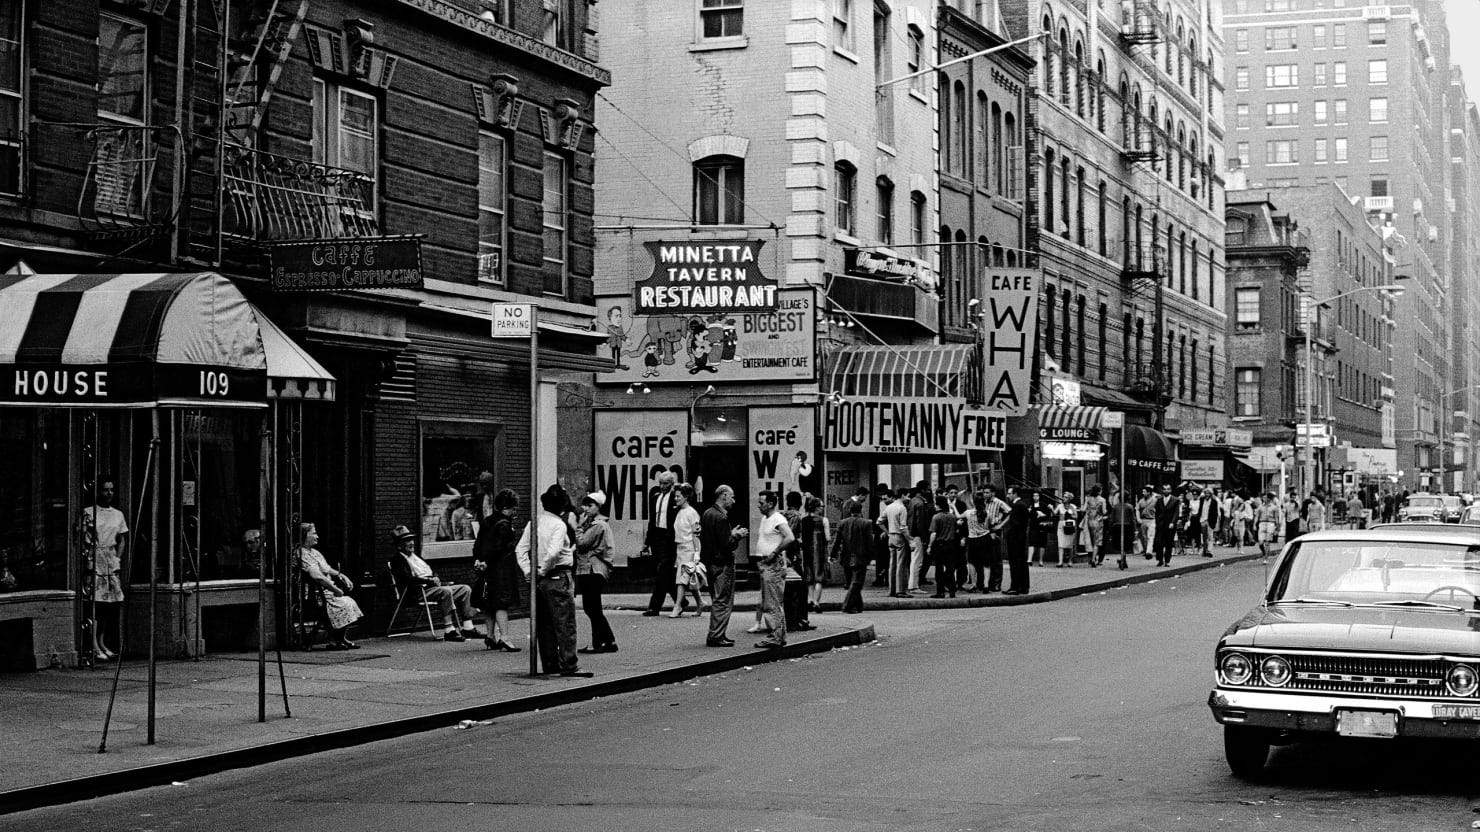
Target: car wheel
column 1247, row 749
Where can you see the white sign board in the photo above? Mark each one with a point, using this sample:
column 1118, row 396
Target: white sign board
column 1112, row 420
column 1202, row 470
column 1066, row 392
column 631, row 449
column 1010, row 325
column 1317, row 431
column 513, row 320
column 783, row 449
column 927, row 427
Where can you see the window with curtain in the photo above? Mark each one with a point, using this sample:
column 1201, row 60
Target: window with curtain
column 123, row 100
column 719, row 191
column 493, row 193
column 554, row 203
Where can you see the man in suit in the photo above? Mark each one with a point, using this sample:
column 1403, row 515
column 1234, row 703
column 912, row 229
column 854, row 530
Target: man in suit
column 659, row 541
column 1167, row 509
column 1209, row 515
column 412, row 572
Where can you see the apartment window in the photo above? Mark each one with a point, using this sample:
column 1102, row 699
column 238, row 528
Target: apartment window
column 843, row 25
column 1241, row 78
column 917, row 218
column 1338, row 111
column 1379, row 187
column 883, row 71
column 1322, row 150
column 1102, row 220
column 1279, row 37
column 1281, row 113
column 1340, row 149
column 1319, row 79
column 1379, row 149
column 559, row 24
column 1283, row 182
column 1318, row 35
column 1377, row 110
column 1282, row 75
column 885, row 211
column 916, row 60
column 1241, row 153
column 1322, row 112
column 1103, row 324
column 1281, row 152
column 554, row 204
column 1279, row 5
column 1246, row 307
column 719, row 191
column 1377, row 71
column 11, row 117
column 123, row 99
column 1050, row 301
column 845, row 196
column 722, row 18
column 1241, row 40
column 346, row 131
column 1377, row 32
column 1241, row 116
column 1338, row 74
column 493, row 193
column 1246, row 393
column 1338, row 35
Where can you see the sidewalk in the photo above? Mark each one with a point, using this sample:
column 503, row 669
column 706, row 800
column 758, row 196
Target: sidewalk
column 207, row 709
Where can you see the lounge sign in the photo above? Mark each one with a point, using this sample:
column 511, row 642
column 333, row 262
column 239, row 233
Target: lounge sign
column 705, row 278
column 922, row 427
column 347, row 264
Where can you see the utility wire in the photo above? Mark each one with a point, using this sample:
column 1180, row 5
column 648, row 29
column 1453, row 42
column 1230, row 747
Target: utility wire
column 639, row 172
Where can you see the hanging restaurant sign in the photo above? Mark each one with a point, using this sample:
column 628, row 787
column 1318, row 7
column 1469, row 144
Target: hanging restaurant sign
column 1010, row 326
column 350, row 263
column 710, row 277
column 922, row 427
column 865, row 263
column 1074, row 451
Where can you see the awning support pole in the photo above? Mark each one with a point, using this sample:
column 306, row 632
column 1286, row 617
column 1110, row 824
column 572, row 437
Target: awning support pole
column 153, row 574
column 534, row 487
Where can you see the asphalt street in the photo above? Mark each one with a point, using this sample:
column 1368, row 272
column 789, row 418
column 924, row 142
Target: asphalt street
column 1086, row 713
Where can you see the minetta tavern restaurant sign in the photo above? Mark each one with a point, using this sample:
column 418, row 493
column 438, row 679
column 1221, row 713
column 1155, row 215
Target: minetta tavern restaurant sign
column 345, row 264
column 709, row 277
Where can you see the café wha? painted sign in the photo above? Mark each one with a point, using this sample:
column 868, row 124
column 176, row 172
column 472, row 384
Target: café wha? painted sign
column 697, row 278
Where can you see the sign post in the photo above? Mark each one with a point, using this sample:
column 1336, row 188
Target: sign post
column 520, row 320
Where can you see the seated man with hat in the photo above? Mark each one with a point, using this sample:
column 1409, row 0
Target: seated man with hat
column 411, row 571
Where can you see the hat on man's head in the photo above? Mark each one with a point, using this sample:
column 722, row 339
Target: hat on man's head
column 401, row 533
column 598, row 497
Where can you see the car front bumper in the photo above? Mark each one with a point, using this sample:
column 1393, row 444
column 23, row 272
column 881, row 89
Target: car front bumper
column 1316, row 713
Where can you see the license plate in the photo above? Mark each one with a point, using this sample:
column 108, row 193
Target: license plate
column 1366, row 723
column 1457, row 712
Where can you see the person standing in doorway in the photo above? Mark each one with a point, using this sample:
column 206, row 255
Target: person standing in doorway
column 658, row 542
column 773, row 538
column 717, row 539
column 104, row 537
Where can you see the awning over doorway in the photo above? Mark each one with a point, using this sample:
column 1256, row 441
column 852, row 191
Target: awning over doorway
column 291, row 372
column 930, row 371
column 129, row 340
column 1078, row 416
column 1149, row 449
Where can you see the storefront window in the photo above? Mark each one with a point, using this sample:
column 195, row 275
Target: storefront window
column 219, row 492
column 453, row 455
column 33, row 502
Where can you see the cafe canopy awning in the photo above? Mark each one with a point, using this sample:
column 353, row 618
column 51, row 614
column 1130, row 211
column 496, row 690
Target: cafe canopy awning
column 291, row 372
column 139, row 340
column 1077, row 416
column 929, row 371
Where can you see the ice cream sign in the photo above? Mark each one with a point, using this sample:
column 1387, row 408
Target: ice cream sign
column 708, row 277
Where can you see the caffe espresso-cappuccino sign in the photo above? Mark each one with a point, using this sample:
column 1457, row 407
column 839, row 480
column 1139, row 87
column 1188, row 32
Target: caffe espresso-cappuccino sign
column 711, row 277
column 346, row 264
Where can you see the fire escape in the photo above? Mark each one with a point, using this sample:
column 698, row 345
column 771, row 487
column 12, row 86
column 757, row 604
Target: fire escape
column 201, row 186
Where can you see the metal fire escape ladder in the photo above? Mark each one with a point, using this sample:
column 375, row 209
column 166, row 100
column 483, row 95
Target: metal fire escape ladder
column 201, row 109
column 254, row 79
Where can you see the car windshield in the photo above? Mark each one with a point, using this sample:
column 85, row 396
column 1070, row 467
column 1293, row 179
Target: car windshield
column 1379, row 571
column 1424, row 502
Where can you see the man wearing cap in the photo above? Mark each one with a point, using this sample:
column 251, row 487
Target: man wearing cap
column 411, row 571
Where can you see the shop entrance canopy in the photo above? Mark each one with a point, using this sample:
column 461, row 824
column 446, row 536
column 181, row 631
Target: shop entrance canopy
column 138, row 340
column 928, row 371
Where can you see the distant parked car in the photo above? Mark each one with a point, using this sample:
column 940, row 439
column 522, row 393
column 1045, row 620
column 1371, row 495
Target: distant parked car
column 1437, row 508
column 1361, row 633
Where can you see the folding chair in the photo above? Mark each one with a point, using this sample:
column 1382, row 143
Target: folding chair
column 402, row 593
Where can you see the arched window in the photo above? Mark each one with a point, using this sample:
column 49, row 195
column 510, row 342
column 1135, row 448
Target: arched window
column 1140, row 240
column 1047, row 67
column 982, row 157
column 1103, row 323
column 1140, row 349
column 1066, row 217
column 959, row 117
column 1208, row 172
column 1182, row 262
column 1049, row 165
column 917, row 219
column 944, row 85
column 947, row 263
column 845, row 197
column 1079, row 230
column 719, row 190
column 1167, row 135
column 1196, row 178
column 1125, row 233
column 1192, row 394
column 1127, row 375
column 1212, row 375
column 997, row 141
column 1192, row 80
column 1181, row 56
column 1181, row 157
column 1066, row 358
column 955, row 294
column 1079, row 79
column 884, row 211
column 997, row 254
column 1066, row 81
column 1182, row 367
column 1080, row 328
column 1012, row 258
column 1016, row 159
column 1102, row 219
column 1194, row 269
column 1100, row 93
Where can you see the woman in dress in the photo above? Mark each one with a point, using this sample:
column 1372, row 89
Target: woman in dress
column 1066, row 525
column 493, row 560
column 688, row 574
column 1095, row 510
column 593, row 568
column 1242, row 513
column 814, row 540
column 340, row 610
column 1040, row 527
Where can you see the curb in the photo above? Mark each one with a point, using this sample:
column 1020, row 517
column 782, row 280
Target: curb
column 142, row 777
column 969, row 601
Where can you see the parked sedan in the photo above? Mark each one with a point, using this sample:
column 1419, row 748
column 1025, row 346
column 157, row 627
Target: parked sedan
column 1438, row 508
column 1371, row 634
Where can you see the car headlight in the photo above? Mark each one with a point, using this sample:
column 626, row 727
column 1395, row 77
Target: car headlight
column 1236, row 669
column 1276, row 671
column 1462, row 680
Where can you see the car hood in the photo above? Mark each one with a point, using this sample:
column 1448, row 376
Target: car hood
column 1357, row 629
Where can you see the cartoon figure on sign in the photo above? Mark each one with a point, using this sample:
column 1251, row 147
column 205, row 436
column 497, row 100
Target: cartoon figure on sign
column 664, row 333
column 800, row 467
column 700, row 348
column 616, row 329
column 650, row 360
column 728, row 338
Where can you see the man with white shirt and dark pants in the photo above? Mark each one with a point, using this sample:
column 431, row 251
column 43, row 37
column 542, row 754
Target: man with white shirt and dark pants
column 659, row 541
column 555, row 598
column 894, row 519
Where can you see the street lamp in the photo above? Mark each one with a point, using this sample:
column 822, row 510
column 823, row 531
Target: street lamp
column 1445, row 416
column 1392, row 290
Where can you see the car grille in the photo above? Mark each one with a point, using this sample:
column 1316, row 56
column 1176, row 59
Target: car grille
column 1367, row 676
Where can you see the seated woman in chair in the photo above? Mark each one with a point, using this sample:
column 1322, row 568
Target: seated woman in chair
column 340, row 610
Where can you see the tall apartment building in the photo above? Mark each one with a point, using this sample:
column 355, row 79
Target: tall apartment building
column 1463, row 203
column 1322, row 92
column 1125, row 211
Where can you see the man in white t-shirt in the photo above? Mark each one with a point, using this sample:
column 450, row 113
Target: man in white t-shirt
column 772, row 537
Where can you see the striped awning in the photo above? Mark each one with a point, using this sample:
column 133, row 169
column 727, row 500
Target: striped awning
column 291, row 372
column 1079, row 416
column 129, row 340
column 931, row 371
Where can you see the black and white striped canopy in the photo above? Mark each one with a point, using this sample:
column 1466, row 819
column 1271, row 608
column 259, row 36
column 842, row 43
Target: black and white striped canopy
column 129, row 340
